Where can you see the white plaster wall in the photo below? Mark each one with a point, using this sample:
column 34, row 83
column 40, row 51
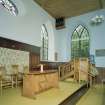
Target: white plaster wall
column 26, row 27
column 61, row 44
column 97, row 35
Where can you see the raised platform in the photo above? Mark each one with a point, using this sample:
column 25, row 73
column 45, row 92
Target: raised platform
column 53, row 96
column 75, row 97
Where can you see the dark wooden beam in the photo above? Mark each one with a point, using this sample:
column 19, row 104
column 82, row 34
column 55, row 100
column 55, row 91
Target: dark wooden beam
column 12, row 44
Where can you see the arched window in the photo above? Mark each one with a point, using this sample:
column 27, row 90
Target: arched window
column 10, row 6
column 80, row 42
column 44, row 40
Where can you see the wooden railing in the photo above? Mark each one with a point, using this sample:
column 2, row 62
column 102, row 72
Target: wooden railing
column 79, row 70
column 65, row 71
column 90, row 79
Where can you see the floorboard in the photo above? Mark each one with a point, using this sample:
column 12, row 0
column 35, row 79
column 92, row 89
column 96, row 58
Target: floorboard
column 94, row 96
column 52, row 96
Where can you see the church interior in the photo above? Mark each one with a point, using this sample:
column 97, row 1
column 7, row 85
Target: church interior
column 52, row 52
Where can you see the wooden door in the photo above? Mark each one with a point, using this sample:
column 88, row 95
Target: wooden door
column 34, row 60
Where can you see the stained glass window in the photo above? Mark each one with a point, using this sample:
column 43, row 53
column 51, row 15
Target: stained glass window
column 10, row 6
column 80, row 42
column 44, row 47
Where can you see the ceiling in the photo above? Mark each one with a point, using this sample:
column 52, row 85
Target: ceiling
column 69, row 8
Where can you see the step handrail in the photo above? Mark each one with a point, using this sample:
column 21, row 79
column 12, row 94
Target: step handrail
column 64, row 69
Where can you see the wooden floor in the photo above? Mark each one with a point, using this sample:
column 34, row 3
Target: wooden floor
column 50, row 97
column 94, row 96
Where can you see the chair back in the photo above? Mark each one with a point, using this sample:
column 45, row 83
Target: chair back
column 2, row 72
column 15, row 69
column 25, row 69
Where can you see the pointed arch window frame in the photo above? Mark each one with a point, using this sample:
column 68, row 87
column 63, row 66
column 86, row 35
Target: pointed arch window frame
column 75, row 53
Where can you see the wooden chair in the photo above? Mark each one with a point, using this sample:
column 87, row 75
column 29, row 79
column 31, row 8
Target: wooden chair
column 17, row 76
column 6, row 80
column 25, row 70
